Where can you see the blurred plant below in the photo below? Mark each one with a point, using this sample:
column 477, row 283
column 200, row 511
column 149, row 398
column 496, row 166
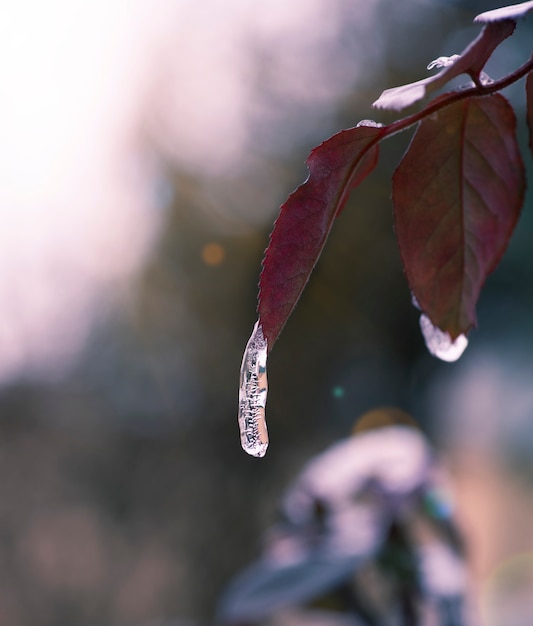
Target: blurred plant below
column 366, row 531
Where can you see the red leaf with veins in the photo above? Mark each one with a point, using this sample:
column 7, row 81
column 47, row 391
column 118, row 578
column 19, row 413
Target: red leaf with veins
column 457, row 195
column 301, row 229
column 529, row 105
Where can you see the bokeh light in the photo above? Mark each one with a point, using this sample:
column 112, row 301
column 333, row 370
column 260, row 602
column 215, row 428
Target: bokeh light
column 213, row 254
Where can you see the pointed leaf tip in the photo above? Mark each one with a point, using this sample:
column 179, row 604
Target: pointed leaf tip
column 457, row 195
column 305, row 220
column 398, row 98
column 510, row 12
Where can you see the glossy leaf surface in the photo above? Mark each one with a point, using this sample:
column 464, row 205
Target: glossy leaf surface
column 305, row 220
column 457, row 195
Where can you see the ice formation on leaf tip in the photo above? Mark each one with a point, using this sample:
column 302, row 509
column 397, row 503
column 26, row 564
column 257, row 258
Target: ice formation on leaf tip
column 253, row 395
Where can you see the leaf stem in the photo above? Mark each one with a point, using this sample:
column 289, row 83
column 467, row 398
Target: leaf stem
column 455, row 96
column 448, row 99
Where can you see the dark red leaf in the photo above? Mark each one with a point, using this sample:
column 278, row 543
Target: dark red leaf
column 457, row 196
column 511, row 12
column 471, row 61
column 529, row 113
column 304, row 222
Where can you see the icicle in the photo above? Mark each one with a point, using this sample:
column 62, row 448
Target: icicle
column 439, row 343
column 253, row 395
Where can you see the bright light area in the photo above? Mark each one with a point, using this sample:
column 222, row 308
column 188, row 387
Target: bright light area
column 74, row 191
column 91, row 92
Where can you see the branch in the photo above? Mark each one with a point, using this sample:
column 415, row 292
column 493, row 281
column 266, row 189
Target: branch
column 452, row 97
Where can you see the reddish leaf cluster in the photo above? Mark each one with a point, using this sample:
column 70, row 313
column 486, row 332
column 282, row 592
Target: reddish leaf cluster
column 457, row 192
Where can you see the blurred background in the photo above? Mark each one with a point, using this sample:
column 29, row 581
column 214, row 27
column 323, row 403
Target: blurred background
column 145, row 148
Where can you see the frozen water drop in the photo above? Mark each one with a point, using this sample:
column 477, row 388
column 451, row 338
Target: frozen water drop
column 439, row 343
column 443, row 62
column 485, row 79
column 253, row 395
column 370, row 124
